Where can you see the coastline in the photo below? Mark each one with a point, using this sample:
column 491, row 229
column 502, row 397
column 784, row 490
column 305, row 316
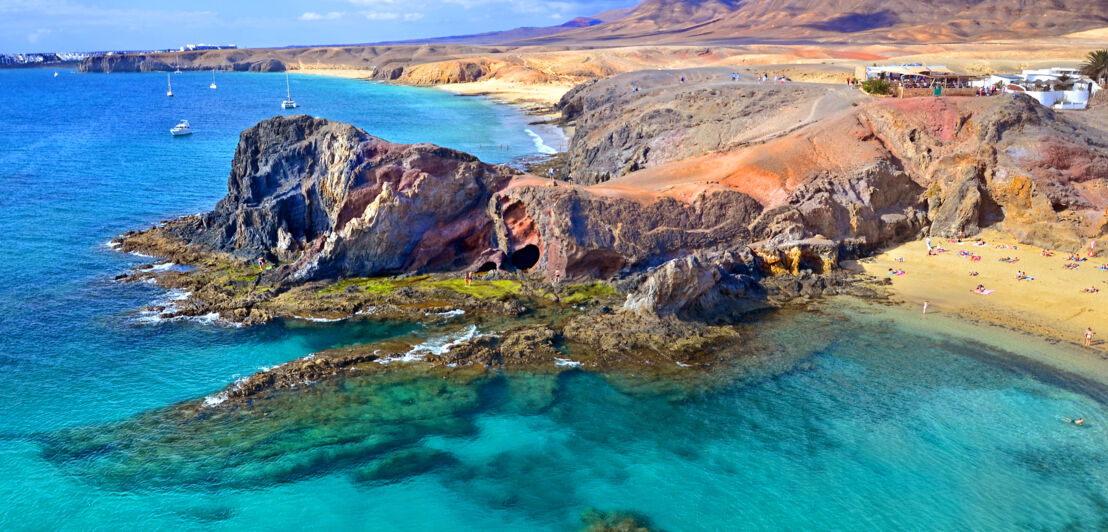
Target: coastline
column 1065, row 364
column 1051, row 307
column 535, row 99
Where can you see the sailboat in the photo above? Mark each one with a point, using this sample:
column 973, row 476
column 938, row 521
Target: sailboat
column 288, row 103
column 55, row 73
column 176, row 63
column 169, row 83
column 212, row 86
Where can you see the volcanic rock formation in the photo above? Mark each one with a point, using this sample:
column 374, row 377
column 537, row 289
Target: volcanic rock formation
column 340, row 202
column 861, row 172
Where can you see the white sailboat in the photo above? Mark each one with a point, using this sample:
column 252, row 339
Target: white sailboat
column 177, row 63
column 212, row 86
column 169, row 83
column 288, row 103
column 55, row 73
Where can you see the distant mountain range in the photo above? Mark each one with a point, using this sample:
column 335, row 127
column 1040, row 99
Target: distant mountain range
column 781, row 21
column 523, row 34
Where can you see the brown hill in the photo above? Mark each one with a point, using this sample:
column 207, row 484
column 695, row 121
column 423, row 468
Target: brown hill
column 686, row 21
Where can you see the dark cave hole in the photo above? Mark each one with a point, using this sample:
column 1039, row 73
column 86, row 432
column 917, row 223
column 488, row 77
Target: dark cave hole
column 526, row 257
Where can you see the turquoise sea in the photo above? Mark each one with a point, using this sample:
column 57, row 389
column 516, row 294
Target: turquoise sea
column 850, row 418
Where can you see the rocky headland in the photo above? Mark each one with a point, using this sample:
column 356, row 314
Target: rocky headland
column 691, row 205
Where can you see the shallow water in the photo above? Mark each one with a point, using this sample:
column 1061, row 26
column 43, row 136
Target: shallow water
column 849, row 418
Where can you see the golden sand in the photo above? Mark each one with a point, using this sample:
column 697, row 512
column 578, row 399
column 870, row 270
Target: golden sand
column 1053, row 305
column 536, row 98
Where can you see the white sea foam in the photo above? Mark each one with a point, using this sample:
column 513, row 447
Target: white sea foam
column 435, row 346
column 113, row 244
column 177, row 294
column 322, row 320
column 141, row 254
column 160, row 267
column 366, row 311
column 452, row 313
column 684, row 365
column 540, row 146
column 217, row 399
column 567, row 363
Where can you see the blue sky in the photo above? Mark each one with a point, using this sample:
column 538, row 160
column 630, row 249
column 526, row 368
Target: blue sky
column 81, row 25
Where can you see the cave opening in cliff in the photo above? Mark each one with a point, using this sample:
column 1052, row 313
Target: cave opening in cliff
column 526, row 257
column 814, row 264
column 487, row 267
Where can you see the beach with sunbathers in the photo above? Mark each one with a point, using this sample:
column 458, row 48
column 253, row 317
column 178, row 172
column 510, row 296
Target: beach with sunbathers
column 1043, row 292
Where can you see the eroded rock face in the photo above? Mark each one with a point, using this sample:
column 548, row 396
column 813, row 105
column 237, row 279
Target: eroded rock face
column 579, row 234
column 343, row 203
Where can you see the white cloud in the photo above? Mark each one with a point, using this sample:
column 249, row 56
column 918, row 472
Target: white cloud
column 333, row 15
column 380, row 15
column 412, row 17
column 34, row 36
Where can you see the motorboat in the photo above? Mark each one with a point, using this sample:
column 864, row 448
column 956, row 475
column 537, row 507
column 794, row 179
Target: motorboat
column 181, row 129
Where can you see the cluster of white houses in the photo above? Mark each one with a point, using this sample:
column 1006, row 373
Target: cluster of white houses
column 1059, row 88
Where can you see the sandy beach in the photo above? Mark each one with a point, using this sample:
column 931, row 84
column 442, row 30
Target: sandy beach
column 1052, row 305
column 348, row 73
column 536, row 98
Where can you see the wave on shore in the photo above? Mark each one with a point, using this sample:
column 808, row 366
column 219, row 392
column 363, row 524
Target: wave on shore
column 540, row 146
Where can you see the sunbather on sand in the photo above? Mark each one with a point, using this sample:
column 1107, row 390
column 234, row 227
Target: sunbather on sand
column 982, row 290
column 1090, row 290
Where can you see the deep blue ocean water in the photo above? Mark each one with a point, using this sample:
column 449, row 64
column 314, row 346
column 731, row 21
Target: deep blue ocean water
column 846, row 419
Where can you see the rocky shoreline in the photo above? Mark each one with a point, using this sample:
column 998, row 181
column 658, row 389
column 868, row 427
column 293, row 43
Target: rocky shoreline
column 646, row 261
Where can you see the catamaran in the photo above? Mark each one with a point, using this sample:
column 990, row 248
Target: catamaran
column 181, row 129
column 212, row 86
column 288, row 103
column 169, row 83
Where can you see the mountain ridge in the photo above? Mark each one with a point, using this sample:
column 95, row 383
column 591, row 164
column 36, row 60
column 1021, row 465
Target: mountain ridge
column 785, row 21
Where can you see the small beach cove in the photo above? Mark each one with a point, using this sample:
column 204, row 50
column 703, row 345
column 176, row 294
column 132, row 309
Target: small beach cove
column 1053, row 305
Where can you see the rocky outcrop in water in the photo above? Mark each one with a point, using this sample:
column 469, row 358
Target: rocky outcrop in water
column 335, row 201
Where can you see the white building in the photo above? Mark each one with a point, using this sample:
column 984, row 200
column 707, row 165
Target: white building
column 1060, row 88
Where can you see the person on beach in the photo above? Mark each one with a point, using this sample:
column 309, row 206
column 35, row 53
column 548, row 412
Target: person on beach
column 925, row 304
column 1092, row 248
column 1089, row 334
column 469, row 278
column 929, row 244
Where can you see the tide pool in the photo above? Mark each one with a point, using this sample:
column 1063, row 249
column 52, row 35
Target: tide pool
column 846, row 418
